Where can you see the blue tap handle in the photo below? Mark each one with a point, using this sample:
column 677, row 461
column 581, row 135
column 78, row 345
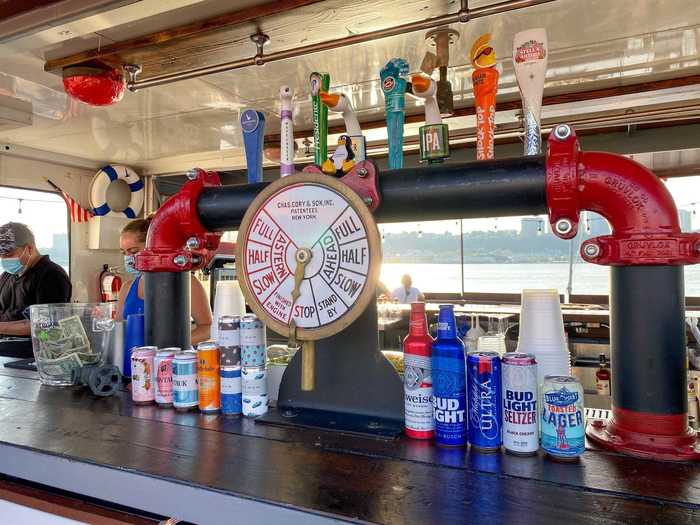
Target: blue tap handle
column 253, row 127
column 394, row 87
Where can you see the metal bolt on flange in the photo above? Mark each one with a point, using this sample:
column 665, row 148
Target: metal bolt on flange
column 192, row 243
column 368, row 201
column 362, row 172
column 192, row 174
column 563, row 226
column 591, row 250
column 180, row 260
column 562, row 131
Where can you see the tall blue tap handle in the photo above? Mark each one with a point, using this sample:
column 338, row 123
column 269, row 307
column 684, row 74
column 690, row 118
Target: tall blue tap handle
column 394, row 87
column 253, row 127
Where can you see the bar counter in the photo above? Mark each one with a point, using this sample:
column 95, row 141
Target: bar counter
column 212, row 470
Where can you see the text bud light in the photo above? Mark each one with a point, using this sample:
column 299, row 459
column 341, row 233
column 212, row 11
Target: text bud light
column 520, row 436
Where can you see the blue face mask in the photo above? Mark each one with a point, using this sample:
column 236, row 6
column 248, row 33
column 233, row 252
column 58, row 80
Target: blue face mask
column 130, row 264
column 12, row 265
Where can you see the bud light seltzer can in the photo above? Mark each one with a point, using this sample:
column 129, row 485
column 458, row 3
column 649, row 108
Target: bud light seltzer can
column 253, row 341
column 163, row 364
column 562, row 423
column 520, row 436
column 231, row 391
column 208, row 377
column 418, row 378
column 484, row 390
column 185, row 387
column 142, row 376
column 449, row 396
column 229, row 339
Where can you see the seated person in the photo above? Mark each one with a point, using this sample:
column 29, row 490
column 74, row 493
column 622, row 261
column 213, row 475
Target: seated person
column 131, row 241
column 29, row 278
column 406, row 293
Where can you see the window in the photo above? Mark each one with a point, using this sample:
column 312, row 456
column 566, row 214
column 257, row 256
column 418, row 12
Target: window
column 47, row 216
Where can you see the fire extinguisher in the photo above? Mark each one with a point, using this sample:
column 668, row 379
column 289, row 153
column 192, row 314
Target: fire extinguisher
column 110, row 284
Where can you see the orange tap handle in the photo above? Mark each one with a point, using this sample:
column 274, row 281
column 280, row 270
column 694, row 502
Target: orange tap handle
column 485, row 82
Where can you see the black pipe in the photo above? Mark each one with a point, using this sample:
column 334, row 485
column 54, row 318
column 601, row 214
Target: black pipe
column 494, row 188
column 169, row 322
column 647, row 336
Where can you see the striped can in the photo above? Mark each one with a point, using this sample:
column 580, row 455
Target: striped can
column 142, row 375
column 185, row 386
column 520, row 436
column 253, row 341
column 208, row 377
column 231, row 391
column 163, row 364
column 254, row 381
column 484, row 391
column 254, row 406
column 229, row 331
column 563, row 422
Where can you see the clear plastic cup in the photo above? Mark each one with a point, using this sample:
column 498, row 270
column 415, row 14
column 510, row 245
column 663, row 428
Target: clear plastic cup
column 558, row 363
column 541, row 322
column 492, row 343
column 68, row 336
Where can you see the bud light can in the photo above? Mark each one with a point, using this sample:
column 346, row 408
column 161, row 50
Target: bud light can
column 185, row 387
column 562, row 422
column 520, row 436
column 231, row 391
column 484, row 389
column 449, row 387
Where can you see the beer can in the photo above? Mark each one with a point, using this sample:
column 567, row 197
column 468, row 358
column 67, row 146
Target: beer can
column 484, row 393
column 254, row 381
column 520, row 436
column 252, row 331
column 229, row 333
column 254, row 406
column 562, row 422
column 208, row 377
column 142, row 376
column 231, row 391
column 163, row 364
column 185, row 386
column 230, row 356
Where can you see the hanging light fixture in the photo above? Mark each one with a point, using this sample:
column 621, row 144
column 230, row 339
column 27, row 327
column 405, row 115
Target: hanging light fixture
column 94, row 85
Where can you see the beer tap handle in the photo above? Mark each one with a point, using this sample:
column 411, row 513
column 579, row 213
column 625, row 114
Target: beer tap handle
column 320, row 82
column 287, row 132
column 394, row 83
column 253, row 128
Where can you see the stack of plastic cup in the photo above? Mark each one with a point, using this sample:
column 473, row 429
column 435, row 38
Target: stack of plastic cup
column 492, row 343
column 542, row 332
column 227, row 301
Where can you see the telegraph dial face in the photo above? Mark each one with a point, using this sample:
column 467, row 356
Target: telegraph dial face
column 309, row 251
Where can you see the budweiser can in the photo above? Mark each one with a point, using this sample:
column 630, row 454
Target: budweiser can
column 231, row 391
column 185, row 388
column 520, row 436
column 418, row 380
column 163, row 364
column 142, row 376
column 563, row 422
column 208, row 370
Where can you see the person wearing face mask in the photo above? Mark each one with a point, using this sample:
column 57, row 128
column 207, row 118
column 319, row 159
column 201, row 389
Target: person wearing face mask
column 28, row 278
column 131, row 241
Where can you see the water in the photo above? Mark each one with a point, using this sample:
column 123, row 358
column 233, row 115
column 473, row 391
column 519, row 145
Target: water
column 512, row 278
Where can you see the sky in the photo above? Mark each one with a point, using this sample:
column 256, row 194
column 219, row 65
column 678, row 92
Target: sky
column 45, row 213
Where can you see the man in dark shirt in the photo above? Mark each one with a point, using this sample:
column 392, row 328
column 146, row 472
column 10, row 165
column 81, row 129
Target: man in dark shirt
column 28, row 278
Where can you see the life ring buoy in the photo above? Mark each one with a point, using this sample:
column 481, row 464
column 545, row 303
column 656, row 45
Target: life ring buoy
column 105, row 177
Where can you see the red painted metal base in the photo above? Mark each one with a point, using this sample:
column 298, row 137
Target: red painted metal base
column 649, row 436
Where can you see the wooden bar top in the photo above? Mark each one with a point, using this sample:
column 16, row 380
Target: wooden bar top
column 328, row 475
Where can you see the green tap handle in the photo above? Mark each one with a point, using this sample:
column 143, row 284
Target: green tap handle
column 394, row 87
column 320, row 82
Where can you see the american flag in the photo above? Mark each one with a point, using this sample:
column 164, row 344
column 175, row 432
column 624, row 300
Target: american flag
column 78, row 214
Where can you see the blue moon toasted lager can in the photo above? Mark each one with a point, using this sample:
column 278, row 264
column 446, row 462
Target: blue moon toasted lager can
column 484, row 390
column 449, row 387
column 231, row 391
column 562, row 420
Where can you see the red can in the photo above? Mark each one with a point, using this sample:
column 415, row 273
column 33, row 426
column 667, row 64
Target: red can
column 208, row 370
column 418, row 377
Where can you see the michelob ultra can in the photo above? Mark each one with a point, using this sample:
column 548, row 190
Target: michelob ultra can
column 484, row 391
column 562, row 421
column 231, row 391
column 163, row 364
column 142, row 375
column 520, row 436
column 185, row 387
column 208, row 377
column 449, row 396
